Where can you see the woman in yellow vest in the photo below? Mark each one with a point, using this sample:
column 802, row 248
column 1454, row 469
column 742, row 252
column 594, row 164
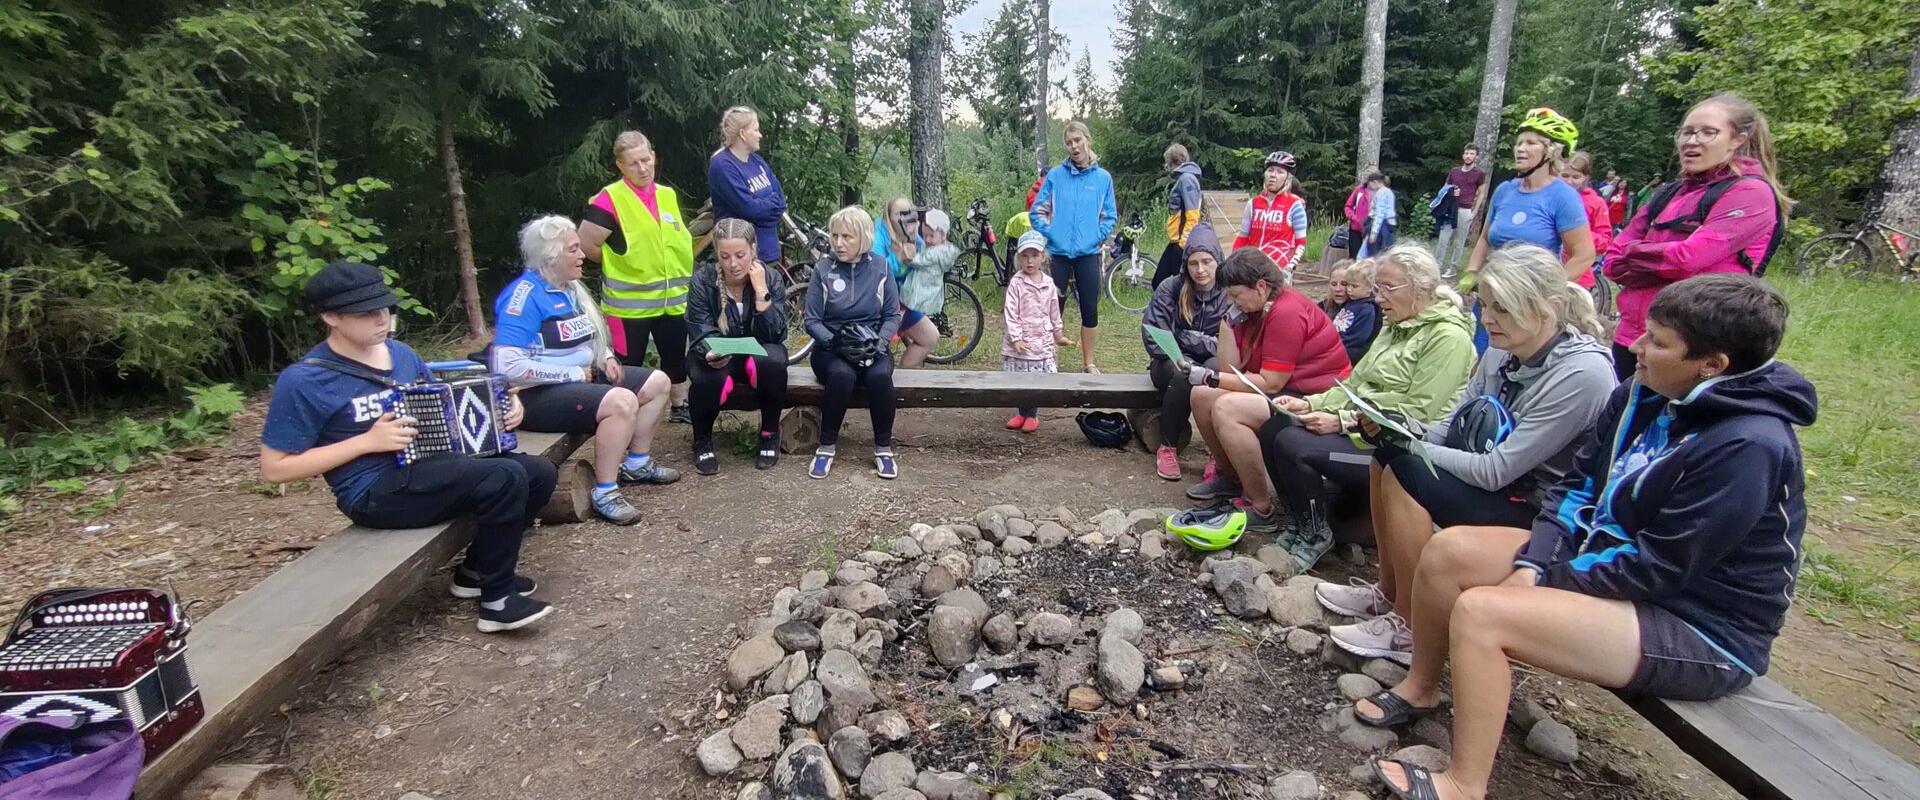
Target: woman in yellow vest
column 634, row 229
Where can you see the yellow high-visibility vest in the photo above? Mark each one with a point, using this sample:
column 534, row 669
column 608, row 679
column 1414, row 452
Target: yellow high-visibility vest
column 650, row 279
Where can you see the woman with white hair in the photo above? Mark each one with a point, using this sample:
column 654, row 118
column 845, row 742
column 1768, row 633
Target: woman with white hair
column 1415, row 369
column 550, row 339
column 1495, row 455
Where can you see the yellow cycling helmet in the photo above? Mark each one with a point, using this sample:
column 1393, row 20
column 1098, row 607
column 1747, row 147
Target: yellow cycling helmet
column 1210, row 528
column 1549, row 123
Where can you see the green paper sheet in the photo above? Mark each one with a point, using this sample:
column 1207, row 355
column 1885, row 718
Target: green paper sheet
column 1414, row 444
column 736, row 346
column 1165, row 340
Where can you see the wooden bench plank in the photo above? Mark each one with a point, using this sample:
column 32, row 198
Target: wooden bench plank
column 1766, row 742
column 935, row 388
column 250, row 654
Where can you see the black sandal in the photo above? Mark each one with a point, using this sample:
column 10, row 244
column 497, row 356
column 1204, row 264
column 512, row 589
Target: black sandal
column 1395, row 711
column 1419, row 780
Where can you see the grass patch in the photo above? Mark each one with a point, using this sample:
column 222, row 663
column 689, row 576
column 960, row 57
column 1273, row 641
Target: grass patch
column 1859, row 343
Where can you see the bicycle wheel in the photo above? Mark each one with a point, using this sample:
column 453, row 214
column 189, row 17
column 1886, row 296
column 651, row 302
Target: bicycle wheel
column 960, row 322
column 1835, row 253
column 799, row 342
column 1603, row 292
column 1130, row 282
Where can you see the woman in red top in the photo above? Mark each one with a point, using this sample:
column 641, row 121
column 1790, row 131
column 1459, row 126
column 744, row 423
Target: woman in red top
column 1292, row 344
column 1359, row 206
column 1579, row 173
column 1276, row 219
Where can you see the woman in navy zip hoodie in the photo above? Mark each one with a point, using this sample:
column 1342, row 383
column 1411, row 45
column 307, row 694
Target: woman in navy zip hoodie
column 742, row 186
column 1663, row 564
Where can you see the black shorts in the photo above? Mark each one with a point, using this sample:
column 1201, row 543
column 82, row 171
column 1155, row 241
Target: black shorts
column 573, row 407
column 1451, row 501
column 1678, row 663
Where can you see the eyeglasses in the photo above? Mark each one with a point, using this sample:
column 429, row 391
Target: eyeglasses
column 1702, row 135
column 1390, row 288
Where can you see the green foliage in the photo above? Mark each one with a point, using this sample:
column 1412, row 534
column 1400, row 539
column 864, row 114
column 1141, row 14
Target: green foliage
column 59, row 461
column 300, row 224
column 1828, row 74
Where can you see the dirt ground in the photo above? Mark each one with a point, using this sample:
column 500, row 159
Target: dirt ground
column 609, row 696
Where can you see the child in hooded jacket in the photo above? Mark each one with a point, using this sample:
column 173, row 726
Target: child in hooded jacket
column 1033, row 331
column 1350, row 303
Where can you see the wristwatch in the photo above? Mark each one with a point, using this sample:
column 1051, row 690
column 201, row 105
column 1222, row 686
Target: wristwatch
column 1213, row 379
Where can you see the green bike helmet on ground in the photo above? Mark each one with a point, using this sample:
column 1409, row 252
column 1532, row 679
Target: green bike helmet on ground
column 1210, row 528
column 1549, row 123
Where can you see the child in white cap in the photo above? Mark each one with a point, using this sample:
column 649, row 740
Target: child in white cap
column 1033, row 332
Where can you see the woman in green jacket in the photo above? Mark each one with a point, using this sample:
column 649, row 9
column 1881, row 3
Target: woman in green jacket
column 1416, row 368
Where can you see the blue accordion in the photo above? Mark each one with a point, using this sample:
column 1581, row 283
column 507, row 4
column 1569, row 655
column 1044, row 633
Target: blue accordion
column 465, row 415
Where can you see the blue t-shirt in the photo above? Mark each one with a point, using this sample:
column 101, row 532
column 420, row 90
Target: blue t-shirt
column 543, row 320
column 1537, row 217
column 313, row 406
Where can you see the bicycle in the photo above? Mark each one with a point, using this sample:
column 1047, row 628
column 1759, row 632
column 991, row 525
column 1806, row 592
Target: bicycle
column 812, row 242
column 1129, row 275
column 1853, row 254
column 961, row 319
column 981, row 244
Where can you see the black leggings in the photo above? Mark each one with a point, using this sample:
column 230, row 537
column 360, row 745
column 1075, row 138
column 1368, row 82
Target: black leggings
column 1623, row 362
column 1301, row 462
column 1450, row 501
column 669, row 335
column 1176, row 399
column 502, row 493
column 1085, row 272
column 838, row 378
column 1171, row 260
column 574, row 407
column 767, row 384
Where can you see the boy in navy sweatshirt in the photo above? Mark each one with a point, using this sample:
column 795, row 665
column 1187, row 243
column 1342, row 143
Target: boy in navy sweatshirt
column 1663, row 564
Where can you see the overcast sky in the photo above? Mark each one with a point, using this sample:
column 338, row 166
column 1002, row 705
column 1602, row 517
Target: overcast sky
column 1086, row 23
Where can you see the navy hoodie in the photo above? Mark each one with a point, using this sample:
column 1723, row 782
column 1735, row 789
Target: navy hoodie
column 1694, row 505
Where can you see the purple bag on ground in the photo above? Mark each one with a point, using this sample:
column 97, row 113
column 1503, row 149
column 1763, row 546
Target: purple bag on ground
column 66, row 758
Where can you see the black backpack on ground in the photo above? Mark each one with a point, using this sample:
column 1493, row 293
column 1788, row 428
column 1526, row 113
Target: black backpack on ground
column 1686, row 225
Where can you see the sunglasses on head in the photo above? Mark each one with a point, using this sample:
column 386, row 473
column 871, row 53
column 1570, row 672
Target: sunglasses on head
column 907, row 216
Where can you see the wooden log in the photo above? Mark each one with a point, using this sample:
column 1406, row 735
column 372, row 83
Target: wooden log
column 572, row 499
column 252, row 653
column 243, row 782
column 800, row 430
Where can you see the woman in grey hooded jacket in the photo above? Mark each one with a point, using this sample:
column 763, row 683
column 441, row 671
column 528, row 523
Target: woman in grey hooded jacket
column 1510, row 439
column 1183, row 210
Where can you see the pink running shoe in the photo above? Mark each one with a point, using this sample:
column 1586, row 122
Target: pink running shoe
column 1167, row 463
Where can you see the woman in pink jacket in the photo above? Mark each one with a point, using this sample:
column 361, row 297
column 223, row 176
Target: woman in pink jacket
column 1358, row 208
column 1725, row 149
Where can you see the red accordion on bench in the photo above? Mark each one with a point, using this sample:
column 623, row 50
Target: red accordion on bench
column 101, row 654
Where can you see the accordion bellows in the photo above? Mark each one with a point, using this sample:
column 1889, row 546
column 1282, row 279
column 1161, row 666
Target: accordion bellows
column 101, row 654
column 462, row 415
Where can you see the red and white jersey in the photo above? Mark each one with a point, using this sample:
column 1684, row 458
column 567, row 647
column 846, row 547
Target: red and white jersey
column 1277, row 225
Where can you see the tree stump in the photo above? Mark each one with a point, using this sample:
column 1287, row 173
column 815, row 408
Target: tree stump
column 799, row 429
column 572, row 499
column 1146, row 429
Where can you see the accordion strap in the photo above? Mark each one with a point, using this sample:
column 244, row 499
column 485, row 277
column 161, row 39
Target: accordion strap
column 350, row 368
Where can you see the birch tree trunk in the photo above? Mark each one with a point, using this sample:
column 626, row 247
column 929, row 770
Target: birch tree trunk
column 926, row 117
column 1493, row 83
column 1373, row 77
column 1043, row 51
column 1899, row 201
column 462, row 233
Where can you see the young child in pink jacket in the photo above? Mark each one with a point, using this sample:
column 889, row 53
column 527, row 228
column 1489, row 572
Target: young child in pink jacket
column 1033, row 332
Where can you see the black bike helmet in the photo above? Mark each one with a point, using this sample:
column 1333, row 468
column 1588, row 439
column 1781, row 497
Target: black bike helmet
column 1105, row 428
column 1280, row 158
column 858, row 343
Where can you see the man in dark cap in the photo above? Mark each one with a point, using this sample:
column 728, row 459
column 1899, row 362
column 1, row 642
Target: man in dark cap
column 326, row 418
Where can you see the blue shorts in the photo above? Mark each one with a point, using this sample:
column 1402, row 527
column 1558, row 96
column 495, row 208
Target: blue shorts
column 1678, row 663
column 910, row 317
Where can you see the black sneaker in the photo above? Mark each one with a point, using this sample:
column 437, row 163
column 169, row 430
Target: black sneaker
column 769, row 454
column 680, row 414
column 704, row 460
column 467, row 587
column 518, row 612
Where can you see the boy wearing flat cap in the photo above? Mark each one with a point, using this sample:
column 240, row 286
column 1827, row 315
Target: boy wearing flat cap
column 326, row 418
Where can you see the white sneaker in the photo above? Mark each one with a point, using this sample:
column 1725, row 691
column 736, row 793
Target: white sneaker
column 1360, row 599
column 1386, row 636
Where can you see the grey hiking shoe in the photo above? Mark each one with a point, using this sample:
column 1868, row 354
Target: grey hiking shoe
column 616, row 509
column 1312, row 536
column 1214, row 488
column 1271, row 523
column 652, row 473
